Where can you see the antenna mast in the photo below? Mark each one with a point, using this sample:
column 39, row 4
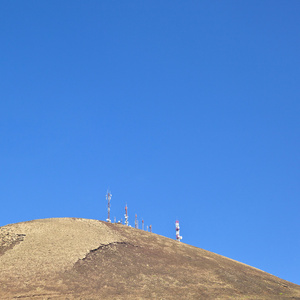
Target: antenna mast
column 178, row 237
column 108, row 197
column 142, row 224
column 126, row 215
column 136, row 222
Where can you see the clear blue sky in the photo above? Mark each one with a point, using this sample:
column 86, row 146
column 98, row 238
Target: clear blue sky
column 186, row 110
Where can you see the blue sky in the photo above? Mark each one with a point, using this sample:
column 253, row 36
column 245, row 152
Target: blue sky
column 186, row 110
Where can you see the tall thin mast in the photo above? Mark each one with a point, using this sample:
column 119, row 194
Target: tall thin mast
column 108, row 197
column 177, row 228
column 136, row 222
column 126, row 215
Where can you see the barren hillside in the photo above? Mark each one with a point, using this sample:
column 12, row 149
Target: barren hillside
column 68, row 258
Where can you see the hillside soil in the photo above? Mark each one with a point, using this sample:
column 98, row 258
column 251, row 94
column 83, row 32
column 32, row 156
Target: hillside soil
column 68, row 258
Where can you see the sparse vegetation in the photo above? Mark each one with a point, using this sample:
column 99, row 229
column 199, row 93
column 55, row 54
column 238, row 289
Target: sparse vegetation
column 87, row 259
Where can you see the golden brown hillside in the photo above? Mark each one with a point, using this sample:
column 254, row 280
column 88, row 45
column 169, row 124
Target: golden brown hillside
column 68, row 258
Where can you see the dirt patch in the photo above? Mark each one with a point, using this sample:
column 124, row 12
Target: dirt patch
column 9, row 239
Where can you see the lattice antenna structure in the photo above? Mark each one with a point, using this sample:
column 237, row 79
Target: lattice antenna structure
column 147, row 228
column 177, row 228
column 126, row 215
column 136, row 224
column 150, row 227
column 142, row 224
column 108, row 197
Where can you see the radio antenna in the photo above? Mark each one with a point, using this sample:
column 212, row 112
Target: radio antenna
column 108, row 197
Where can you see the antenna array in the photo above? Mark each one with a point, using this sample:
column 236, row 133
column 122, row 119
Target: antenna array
column 136, row 222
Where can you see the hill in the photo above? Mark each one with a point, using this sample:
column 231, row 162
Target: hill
column 68, row 258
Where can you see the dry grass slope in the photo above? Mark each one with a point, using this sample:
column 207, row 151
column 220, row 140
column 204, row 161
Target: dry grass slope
column 68, row 258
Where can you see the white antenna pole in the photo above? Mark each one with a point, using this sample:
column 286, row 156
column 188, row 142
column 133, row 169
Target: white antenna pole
column 177, row 228
column 136, row 222
column 108, row 197
column 126, row 215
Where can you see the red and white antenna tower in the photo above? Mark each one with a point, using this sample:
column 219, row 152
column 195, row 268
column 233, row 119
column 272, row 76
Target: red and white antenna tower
column 150, row 227
column 136, row 224
column 142, row 224
column 126, row 215
column 108, row 197
column 178, row 237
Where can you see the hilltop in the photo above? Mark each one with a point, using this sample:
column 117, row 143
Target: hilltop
column 70, row 258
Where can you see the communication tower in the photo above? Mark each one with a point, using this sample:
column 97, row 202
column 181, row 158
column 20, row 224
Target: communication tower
column 177, row 228
column 108, row 197
column 142, row 224
column 126, row 215
column 136, row 224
